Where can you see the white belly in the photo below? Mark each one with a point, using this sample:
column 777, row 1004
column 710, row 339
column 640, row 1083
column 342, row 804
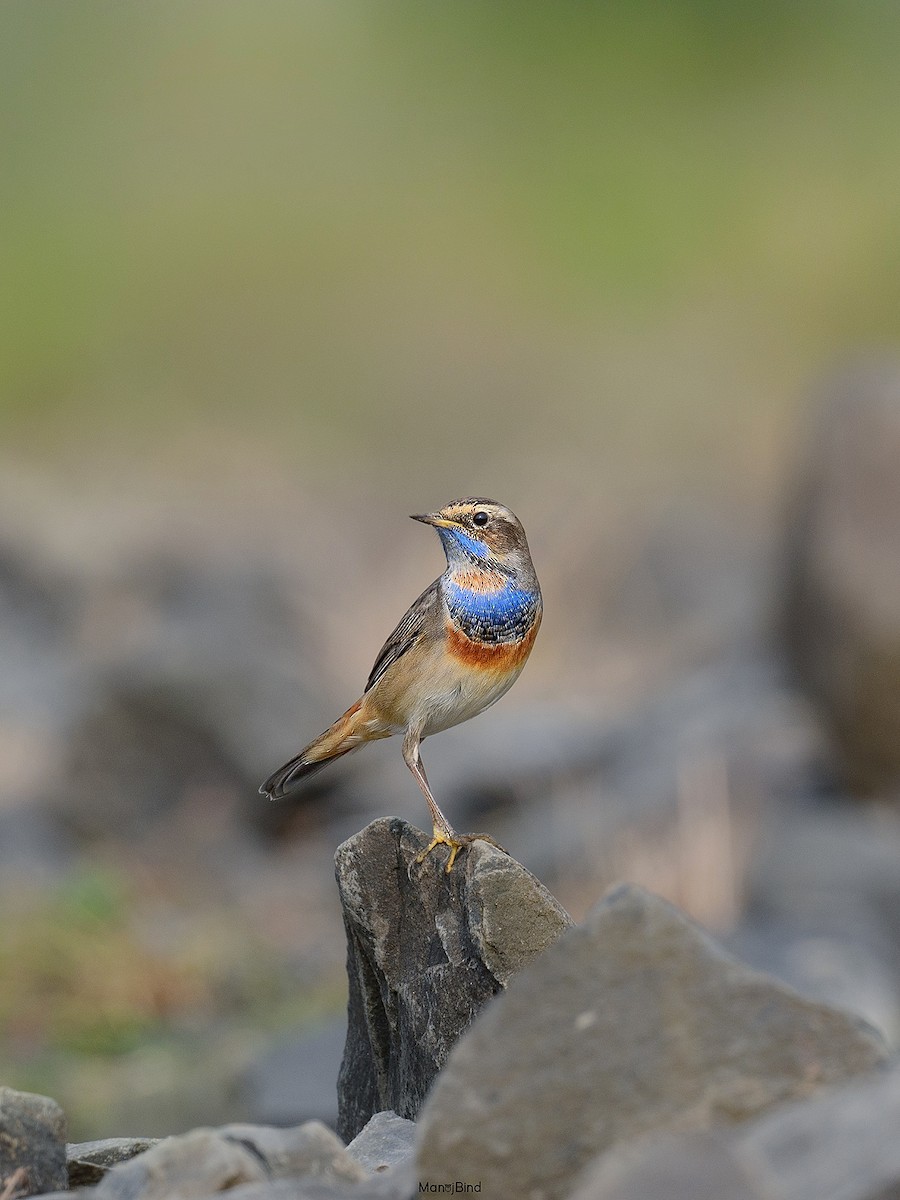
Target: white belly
column 459, row 696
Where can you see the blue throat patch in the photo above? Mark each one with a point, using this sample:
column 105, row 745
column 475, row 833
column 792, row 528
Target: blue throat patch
column 456, row 539
column 502, row 616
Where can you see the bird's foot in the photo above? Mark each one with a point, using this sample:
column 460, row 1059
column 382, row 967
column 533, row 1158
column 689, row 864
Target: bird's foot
column 456, row 842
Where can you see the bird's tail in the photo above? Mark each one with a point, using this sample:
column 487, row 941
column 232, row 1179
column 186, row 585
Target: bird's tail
column 348, row 733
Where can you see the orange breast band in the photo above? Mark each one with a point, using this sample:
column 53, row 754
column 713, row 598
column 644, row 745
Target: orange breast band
column 484, row 656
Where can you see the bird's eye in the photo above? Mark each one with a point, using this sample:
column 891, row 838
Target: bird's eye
column 480, row 518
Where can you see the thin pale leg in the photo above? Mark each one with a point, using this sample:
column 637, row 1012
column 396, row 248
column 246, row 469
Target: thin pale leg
column 443, row 833
column 443, row 830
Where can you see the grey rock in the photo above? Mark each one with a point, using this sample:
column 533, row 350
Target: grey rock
column 396, row 1184
column 199, row 1163
column 855, row 972
column 35, row 598
column 636, row 1020
column 66, row 1195
column 32, row 845
column 39, row 608
column 825, row 860
column 206, row 1161
column 32, row 1144
column 88, row 1162
column 191, row 670
column 133, row 755
column 386, row 1141
column 842, row 587
column 310, row 1150
column 841, row 1145
column 426, row 949
column 295, row 1080
column 690, row 1166
column 825, row 879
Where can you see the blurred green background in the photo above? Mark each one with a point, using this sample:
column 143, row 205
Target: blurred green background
column 440, row 243
column 286, row 272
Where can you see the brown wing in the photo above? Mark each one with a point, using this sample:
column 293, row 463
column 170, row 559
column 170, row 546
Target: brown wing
column 406, row 634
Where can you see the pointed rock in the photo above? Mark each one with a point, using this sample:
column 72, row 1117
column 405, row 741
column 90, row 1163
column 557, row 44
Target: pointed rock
column 425, row 950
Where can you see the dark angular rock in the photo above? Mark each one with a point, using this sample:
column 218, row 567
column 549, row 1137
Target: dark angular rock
column 842, row 590
column 634, row 1021
column 32, row 1144
column 426, row 949
column 88, row 1162
column 386, row 1141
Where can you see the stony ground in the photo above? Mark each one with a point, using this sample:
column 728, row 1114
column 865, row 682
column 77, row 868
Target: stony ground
column 494, row 1047
column 172, row 952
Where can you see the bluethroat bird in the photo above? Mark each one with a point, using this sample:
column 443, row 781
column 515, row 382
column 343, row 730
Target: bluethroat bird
column 459, row 648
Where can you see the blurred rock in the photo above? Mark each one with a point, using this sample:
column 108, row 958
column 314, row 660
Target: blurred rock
column 32, row 1144
column 842, row 1145
column 635, row 1020
column 824, row 906
column 833, row 965
column 142, row 593
column 691, row 570
column 88, row 1162
column 296, row 1079
column 32, row 846
column 136, row 757
column 35, row 599
column 206, row 1161
column 390, row 1185
column 694, row 1166
column 142, row 679
column 309, row 1151
column 426, row 949
column 39, row 610
column 842, row 591
column 250, row 1161
column 387, row 1141
column 199, row 1163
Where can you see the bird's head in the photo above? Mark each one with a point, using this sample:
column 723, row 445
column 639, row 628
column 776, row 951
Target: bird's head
column 478, row 532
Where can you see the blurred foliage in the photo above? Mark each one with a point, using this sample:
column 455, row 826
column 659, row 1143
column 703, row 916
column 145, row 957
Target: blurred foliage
column 95, row 972
column 323, row 224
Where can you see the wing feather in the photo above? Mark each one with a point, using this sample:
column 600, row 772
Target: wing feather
column 407, row 633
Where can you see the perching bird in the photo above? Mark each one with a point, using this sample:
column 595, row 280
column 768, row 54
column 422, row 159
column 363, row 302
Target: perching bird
column 459, row 648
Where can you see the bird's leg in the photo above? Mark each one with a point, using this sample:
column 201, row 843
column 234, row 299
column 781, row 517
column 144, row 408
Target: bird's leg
column 443, row 833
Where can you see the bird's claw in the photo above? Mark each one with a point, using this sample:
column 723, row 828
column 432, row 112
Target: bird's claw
column 456, row 842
